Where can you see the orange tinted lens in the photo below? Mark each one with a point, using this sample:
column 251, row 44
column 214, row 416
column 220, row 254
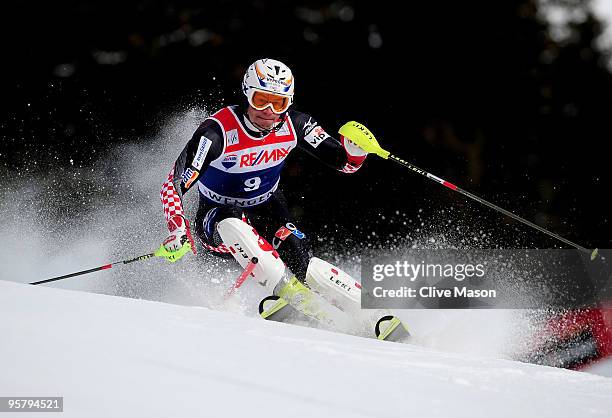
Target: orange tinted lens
column 261, row 100
column 279, row 103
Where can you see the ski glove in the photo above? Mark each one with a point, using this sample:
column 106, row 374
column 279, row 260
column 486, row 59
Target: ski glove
column 179, row 242
column 356, row 156
column 362, row 138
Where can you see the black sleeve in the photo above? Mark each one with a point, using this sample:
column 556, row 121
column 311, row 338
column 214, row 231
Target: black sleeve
column 205, row 146
column 313, row 139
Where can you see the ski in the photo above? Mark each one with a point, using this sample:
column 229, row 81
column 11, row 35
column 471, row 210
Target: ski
column 310, row 308
column 312, row 305
column 391, row 328
column 275, row 308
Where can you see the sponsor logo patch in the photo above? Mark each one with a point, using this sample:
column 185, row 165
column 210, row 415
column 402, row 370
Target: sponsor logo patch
column 298, row 234
column 284, row 130
column 316, row 136
column 200, row 156
column 241, row 251
column 229, row 161
column 232, row 137
column 282, row 233
column 264, row 156
column 293, row 229
column 309, row 125
column 189, row 176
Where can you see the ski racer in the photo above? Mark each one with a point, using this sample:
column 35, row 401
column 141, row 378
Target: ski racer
column 235, row 158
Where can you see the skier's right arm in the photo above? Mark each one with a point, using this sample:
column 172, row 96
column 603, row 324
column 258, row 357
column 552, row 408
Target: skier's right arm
column 205, row 146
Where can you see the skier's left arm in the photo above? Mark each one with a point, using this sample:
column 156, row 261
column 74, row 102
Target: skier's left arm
column 341, row 154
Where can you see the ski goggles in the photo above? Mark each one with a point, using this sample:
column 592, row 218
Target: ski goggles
column 261, row 100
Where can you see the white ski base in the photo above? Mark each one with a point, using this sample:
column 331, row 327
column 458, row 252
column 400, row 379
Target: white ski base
column 110, row 356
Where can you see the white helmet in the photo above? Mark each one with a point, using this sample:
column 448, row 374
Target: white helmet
column 269, row 76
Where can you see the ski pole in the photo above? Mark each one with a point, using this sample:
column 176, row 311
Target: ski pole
column 171, row 256
column 356, row 130
column 243, row 276
column 104, row 267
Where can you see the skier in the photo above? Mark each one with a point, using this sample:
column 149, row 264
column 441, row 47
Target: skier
column 235, row 158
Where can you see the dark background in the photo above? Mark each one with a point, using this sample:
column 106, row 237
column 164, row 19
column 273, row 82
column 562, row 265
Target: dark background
column 475, row 92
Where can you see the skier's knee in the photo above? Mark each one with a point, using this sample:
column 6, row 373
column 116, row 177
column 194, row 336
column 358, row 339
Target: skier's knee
column 206, row 223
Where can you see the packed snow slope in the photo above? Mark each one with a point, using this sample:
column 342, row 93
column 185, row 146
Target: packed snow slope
column 120, row 357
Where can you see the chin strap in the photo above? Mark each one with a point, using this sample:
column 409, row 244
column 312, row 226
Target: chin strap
column 280, row 123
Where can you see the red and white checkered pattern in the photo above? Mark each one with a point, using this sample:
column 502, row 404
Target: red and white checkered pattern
column 171, row 201
column 349, row 168
column 220, row 249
